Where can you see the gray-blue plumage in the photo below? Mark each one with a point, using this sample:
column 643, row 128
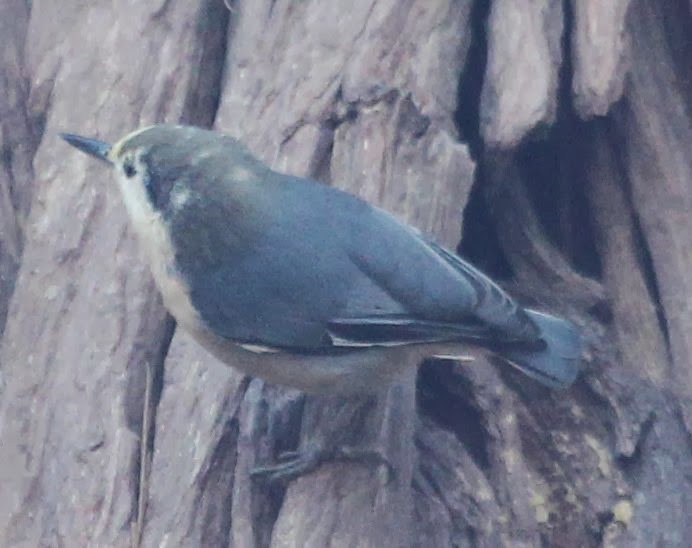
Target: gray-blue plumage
column 305, row 268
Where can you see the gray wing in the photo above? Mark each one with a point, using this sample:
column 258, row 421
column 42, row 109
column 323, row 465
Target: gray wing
column 465, row 305
column 317, row 268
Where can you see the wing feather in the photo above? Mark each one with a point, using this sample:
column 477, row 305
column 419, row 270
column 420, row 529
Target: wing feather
column 368, row 279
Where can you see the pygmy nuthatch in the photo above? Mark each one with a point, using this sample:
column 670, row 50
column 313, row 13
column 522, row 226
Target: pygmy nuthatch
column 304, row 285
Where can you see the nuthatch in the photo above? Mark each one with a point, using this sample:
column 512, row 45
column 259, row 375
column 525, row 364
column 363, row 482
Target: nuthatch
column 304, row 285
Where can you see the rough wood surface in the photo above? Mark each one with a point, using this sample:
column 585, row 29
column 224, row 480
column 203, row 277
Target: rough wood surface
column 17, row 146
column 521, row 79
column 599, row 55
column 592, row 217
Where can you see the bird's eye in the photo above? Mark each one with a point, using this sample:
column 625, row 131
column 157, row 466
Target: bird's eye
column 129, row 169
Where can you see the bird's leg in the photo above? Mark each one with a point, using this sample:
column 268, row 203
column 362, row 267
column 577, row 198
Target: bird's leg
column 293, row 464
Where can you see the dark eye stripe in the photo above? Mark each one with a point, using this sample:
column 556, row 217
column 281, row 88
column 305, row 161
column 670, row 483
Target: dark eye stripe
column 129, row 169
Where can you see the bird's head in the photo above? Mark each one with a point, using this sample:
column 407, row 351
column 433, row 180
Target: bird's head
column 164, row 169
column 155, row 165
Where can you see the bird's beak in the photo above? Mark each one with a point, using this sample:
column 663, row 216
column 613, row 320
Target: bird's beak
column 93, row 147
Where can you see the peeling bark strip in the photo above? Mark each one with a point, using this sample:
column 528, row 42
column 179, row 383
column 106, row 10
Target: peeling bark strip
column 366, row 97
column 524, row 57
column 18, row 142
column 599, row 44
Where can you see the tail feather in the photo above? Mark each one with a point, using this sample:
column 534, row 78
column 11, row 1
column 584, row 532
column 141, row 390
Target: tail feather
column 557, row 364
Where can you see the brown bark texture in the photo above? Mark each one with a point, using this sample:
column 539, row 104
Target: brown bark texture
column 546, row 140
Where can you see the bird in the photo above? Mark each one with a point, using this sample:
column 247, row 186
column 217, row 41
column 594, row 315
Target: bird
column 304, row 285
column 307, row 286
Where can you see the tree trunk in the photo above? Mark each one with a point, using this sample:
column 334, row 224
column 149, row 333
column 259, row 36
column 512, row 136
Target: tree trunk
column 546, row 140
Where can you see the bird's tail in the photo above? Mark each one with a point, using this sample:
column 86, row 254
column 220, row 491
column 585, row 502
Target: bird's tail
column 556, row 364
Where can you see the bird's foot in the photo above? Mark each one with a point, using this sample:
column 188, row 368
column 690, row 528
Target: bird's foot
column 293, row 464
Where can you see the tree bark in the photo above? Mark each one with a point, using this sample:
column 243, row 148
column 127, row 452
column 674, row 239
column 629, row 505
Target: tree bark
column 553, row 136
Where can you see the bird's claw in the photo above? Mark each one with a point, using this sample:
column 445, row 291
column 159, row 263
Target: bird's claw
column 292, row 464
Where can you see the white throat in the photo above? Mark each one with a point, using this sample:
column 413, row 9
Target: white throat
column 155, row 242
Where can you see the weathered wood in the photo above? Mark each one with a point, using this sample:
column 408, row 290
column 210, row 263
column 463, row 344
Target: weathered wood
column 85, row 315
column 521, row 79
column 599, row 51
column 656, row 122
column 636, row 324
column 363, row 96
column 17, row 146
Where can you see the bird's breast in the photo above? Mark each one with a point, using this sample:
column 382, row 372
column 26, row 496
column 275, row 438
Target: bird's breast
column 175, row 291
column 156, row 245
column 153, row 233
